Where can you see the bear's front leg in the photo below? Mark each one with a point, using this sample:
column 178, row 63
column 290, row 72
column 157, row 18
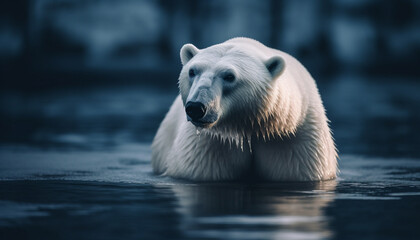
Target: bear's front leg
column 201, row 157
column 295, row 158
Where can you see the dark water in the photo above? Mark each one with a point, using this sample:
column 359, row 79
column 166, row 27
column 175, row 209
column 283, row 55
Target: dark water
column 74, row 164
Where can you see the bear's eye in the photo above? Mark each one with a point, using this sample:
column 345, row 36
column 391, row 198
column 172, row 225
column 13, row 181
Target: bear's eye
column 229, row 77
column 191, row 73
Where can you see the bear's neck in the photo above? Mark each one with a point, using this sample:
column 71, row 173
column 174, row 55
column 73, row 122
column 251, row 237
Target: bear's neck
column 283, row 112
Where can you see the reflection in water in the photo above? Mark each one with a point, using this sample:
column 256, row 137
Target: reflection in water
column 273, row 211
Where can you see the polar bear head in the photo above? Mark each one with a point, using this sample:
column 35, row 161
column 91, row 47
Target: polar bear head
column 227, row 86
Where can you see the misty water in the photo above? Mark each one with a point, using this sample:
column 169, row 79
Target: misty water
column 75, row 164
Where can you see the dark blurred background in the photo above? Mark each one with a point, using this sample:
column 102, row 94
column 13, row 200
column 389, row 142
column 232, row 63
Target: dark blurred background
column 98, row 73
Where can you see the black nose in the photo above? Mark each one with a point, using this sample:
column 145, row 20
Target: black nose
column 195, row 110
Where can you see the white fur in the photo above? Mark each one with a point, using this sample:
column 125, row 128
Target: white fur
column 272, row 125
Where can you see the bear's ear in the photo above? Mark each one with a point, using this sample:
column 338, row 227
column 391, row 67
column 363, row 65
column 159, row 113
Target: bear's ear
column 188, row 51
column 275, row 65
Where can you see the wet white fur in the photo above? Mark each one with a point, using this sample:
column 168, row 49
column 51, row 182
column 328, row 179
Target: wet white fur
column 279, row 130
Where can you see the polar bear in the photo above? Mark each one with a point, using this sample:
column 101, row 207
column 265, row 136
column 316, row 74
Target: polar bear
column 244, row 110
